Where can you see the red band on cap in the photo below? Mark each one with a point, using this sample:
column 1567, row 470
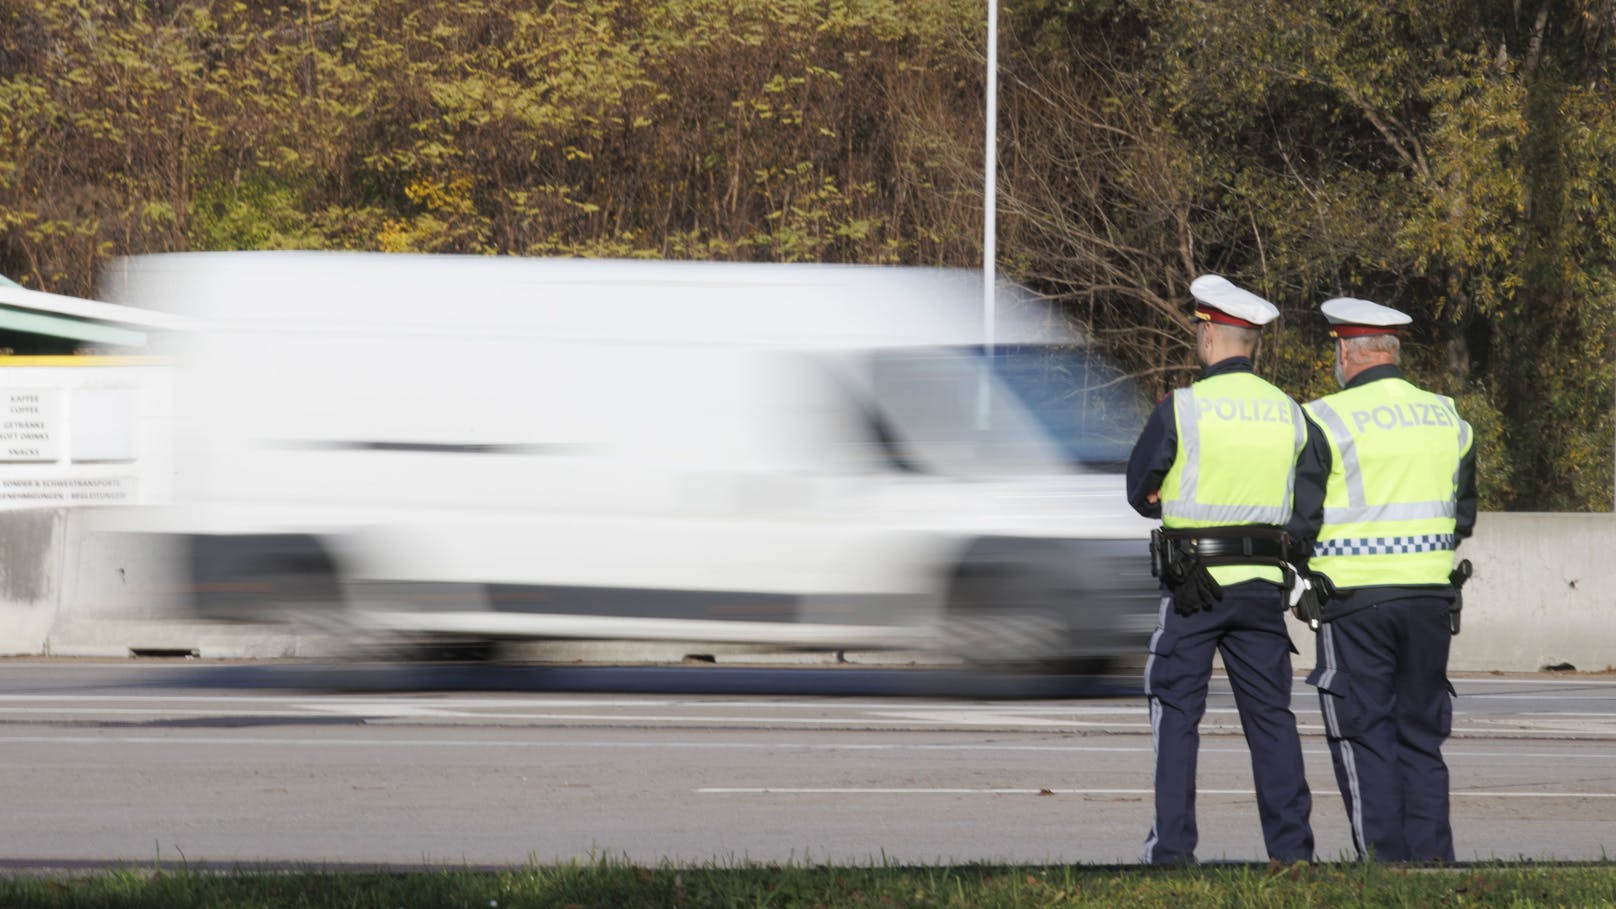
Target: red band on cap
column 1359, row 331
column 1207, row 314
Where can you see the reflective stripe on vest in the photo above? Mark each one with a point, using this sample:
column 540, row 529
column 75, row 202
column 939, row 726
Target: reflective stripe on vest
column 1238, row 438
column 1391, row 520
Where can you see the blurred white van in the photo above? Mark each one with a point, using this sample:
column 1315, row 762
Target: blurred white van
column 478, row 449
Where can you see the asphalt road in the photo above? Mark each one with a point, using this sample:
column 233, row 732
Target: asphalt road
column 134, row 762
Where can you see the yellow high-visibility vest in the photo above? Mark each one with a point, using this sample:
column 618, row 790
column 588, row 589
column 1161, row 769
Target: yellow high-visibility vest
column 1238, row 438
column 1391, row 501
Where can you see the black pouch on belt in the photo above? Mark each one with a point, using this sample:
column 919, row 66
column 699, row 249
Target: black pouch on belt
column 1192, row 585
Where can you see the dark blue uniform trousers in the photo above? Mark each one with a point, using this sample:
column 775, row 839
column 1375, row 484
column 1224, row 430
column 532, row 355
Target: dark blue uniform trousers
column 1383, row 686
column 1248, row 628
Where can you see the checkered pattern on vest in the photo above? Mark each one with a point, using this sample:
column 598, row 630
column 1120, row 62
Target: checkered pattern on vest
column 1429, row 542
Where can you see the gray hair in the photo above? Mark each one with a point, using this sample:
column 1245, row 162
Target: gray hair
column 1383, row 344
column 1239, row 337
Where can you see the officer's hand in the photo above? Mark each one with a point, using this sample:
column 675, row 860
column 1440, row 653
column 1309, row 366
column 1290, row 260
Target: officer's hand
column 1305, row 602
column 1299, row 588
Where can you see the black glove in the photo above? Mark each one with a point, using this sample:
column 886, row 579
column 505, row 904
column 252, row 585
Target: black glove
column 1195, row 590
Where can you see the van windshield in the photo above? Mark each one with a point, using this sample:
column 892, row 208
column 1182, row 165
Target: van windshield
column 1021, row 408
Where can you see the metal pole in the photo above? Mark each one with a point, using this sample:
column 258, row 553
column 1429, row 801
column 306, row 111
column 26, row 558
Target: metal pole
column 990, row 181
column 990, row 201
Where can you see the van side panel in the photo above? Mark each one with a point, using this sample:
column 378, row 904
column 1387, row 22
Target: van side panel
column 529, row 439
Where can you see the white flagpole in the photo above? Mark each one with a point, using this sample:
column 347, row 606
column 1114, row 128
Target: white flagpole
column 990, row 181
column 990, row 201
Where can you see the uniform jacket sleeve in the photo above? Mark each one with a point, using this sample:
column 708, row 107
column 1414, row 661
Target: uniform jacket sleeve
column 1307, row 501
column 1152, row 457
column 1466, row 513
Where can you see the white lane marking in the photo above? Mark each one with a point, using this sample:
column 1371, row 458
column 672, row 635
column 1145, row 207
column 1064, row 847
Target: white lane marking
column 894, row 708
column 517, row 743
column 554, row 704
column 934, row 790
column 1536, row 714
column 951, row 790
column 833, row 713
column 791, row 704
column 390, row 708
column 503, row 709
column 1535, row 795
column 1116, row 719
column 381, row 711
column 981, row 717
column 148, row 711
column 1538, row 698
column 900, row 709
column 1606, row 755
column 401, row 710
column 385, row 710
column 550, row 703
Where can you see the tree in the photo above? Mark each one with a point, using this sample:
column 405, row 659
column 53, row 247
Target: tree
column 1452, row 159
column 1449, row 159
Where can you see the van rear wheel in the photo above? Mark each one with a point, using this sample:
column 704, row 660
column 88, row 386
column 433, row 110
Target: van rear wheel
column 1014, row 620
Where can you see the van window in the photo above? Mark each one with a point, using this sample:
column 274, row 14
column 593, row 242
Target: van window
column 1093, row 409
column 1024, row 409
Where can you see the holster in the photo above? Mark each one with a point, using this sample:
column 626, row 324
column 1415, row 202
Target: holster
column 1310, row 608
column 1181, row 559
column 1457, row 577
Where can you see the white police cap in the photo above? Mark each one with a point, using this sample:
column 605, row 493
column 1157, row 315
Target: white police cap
column 1216, row 300
column 1351, row 318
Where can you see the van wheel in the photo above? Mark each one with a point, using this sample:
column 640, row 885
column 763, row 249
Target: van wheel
column 1009, row 620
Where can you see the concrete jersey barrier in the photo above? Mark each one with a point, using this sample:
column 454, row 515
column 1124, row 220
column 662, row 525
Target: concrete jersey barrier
column 1543, row 594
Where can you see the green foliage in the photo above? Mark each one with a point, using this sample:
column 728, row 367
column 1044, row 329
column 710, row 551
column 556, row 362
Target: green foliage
column 736, row 128
column 1449, row 159
column 1454, row 159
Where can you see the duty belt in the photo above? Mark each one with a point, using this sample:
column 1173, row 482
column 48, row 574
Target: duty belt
column 1241, row 545
column 1216, row 548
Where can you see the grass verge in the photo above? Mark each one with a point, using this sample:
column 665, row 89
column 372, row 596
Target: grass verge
column 609, row 885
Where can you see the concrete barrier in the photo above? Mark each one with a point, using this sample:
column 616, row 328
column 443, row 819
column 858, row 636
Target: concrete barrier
column 119, row 597
column 31, row 566
column 1543, row 594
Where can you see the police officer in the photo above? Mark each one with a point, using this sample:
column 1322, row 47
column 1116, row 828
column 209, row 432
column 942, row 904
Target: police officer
column 1218, row 462
column 1401, row 494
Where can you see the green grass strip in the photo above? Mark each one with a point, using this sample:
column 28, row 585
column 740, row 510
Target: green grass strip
column 609, row 885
